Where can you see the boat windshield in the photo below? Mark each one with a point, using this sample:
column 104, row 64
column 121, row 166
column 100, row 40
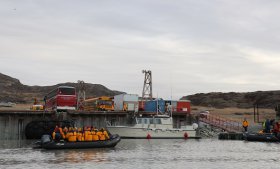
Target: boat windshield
column 148, row 121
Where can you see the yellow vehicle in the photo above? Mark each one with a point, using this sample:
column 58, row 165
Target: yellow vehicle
column 103, row 103
column 37, row 107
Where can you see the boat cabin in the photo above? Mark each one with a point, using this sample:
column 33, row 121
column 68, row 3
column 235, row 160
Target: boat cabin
column 154, row 122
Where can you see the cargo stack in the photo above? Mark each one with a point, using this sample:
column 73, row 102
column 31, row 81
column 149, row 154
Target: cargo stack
column 126, row 102
column 155, row 106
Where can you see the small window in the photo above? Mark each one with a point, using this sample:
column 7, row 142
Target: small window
column 139, row 121
column 157, row 121
column 145, row 121
column 67, row 91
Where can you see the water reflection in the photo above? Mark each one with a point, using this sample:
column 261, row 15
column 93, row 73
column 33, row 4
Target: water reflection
column 11, row 144
column 205, row 153
column 78, row 156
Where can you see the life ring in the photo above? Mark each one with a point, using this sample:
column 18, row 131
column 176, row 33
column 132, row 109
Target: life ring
column 186, row 136
column 149, row 136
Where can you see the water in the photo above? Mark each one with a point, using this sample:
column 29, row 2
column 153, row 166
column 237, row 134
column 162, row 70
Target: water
column 128, row 154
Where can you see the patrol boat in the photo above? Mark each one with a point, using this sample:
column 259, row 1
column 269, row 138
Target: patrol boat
column 156, row 127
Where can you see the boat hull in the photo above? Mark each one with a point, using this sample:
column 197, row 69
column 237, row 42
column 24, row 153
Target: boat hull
column 144, row 133
column 268, row 137
column 115, row 139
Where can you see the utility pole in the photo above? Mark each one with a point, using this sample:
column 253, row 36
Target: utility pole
column 147, row 93
column 81, row 94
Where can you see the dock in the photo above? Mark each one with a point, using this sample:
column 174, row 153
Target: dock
column 13, row 123
column 231, row 136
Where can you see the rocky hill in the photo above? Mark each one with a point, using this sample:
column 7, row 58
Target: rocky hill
column 265, row 99
column 12, row 90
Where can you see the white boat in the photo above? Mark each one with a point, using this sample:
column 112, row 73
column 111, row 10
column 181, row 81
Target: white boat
column 157, row 127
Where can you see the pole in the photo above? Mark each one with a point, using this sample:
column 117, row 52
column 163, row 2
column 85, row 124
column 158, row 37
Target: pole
column 258, row 116
column 254, row 113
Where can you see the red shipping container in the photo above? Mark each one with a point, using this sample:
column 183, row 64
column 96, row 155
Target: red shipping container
column 141, row 105
column 184, row 106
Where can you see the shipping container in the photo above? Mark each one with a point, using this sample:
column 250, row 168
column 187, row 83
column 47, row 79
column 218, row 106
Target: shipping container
column 126, row 102
column 184, row 106
column 151, row 106
column 141, row 105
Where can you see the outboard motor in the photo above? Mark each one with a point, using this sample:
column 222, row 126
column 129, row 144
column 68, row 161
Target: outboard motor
column 45, row 139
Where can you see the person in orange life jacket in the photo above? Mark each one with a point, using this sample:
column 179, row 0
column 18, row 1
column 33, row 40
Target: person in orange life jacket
column 88, row 135
column 80, row 135
column 65, row 130
column 106, row 134
column 100, row 134
column 71, row 135
column 245, row 124
column 95, row 137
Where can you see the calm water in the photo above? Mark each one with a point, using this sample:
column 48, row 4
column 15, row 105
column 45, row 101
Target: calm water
column 128, row 154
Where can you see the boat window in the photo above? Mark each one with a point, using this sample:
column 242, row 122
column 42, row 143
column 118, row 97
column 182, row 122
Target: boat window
column 145, row 121
column 151, row 121
column 139, row 121
column 157, row 121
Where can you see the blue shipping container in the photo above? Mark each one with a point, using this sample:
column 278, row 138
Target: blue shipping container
column 151, row 106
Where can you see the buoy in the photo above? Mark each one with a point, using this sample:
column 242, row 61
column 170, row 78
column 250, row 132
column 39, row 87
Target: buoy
column 149, row 136
column 186, row 136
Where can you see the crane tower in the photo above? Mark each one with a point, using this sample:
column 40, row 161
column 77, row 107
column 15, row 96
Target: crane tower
column 147, row 93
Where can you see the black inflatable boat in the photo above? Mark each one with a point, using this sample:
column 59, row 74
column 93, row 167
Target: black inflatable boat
column 265, row 137
column 47, row 143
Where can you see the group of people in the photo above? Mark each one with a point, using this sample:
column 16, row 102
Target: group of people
column 73, row 134
column 268, row 126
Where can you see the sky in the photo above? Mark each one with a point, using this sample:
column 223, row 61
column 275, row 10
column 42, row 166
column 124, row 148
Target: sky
column 191, row 46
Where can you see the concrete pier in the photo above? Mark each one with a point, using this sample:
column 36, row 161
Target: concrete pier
column 13, row 122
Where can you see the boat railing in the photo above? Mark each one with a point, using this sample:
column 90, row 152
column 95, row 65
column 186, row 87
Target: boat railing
column 108, row 123
column 223, row 123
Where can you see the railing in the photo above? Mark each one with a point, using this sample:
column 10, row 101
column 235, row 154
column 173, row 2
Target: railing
column 223, row 123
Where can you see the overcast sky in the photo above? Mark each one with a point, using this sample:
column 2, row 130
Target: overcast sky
column 191, row 46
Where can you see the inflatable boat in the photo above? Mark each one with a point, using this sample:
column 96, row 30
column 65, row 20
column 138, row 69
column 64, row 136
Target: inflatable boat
column 265, row 137
column 48, row 143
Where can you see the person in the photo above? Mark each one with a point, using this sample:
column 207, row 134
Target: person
column 276, row 128
column 94, row 135
column 267, row 126
column 245, row 124
column 88, row 134
column 57, row 133
column 71, row 135
column 106, row 134
column 101, row 135
column 65, row 131
column 125, row 107
column 80, row 135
